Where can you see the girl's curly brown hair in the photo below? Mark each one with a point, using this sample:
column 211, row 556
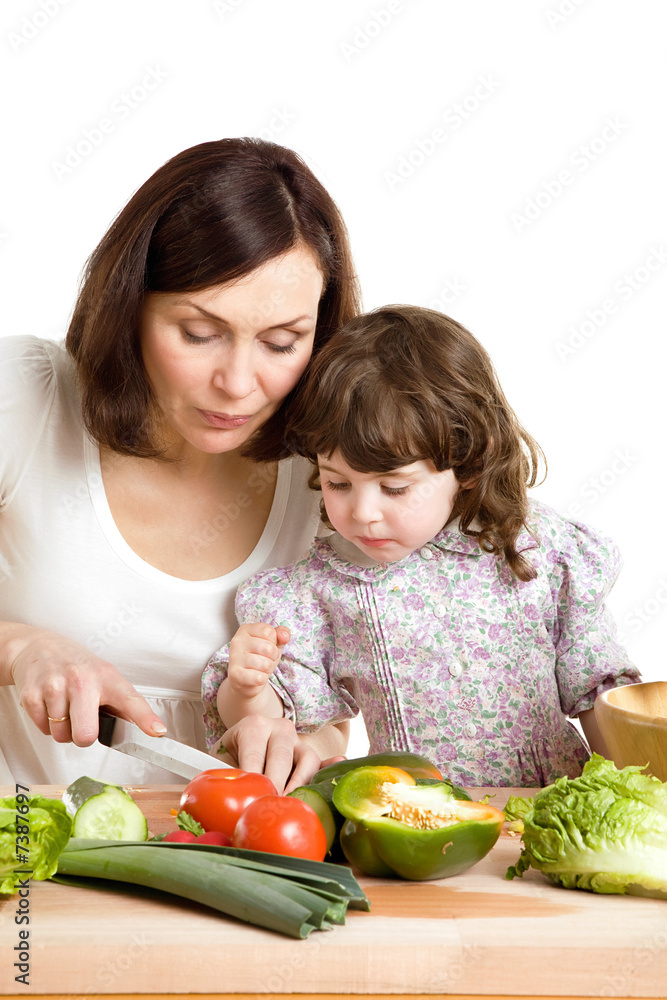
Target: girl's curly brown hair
column 404, row 384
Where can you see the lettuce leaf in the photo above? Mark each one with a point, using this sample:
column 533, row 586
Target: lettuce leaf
column 48, row 831
column 605, row 831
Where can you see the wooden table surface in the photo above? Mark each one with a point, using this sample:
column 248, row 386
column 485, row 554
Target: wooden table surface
column 476, row 933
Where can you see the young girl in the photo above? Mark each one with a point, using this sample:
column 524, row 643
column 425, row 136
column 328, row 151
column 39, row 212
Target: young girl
column 465, row 621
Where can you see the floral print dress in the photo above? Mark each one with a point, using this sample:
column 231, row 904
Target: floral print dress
column 445, row 653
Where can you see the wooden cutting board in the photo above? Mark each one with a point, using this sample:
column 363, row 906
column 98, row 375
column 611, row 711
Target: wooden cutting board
column 476, row 933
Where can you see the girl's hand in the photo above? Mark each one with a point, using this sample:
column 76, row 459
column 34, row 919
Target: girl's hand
column 254, row 653
column 62, row 686
column 272, row 746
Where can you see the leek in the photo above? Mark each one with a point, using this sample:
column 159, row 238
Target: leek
column 289, row 895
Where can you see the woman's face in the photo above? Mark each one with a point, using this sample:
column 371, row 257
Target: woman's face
column 220, row 361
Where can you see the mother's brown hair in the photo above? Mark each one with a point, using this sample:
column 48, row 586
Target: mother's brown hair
column 211, row 214
column 404, row 384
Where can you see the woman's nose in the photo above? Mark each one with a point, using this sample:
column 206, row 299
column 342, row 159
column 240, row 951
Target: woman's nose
column 235, row 373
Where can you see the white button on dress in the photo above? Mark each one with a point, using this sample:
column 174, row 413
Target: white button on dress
column 470, row 729
column 439, row 610
column 455, row 668
column 425, row 553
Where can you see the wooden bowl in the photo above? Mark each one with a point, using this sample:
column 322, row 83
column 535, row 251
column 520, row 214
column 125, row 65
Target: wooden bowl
column 633, row 723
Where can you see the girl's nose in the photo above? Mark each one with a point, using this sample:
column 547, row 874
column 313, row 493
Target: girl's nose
column 365, row 507
column 235, row 373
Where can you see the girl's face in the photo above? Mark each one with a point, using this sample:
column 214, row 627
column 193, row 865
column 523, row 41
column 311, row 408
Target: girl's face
column 220, row 361
column 391, row 514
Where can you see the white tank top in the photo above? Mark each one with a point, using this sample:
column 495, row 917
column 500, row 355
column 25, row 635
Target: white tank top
column 65, row 566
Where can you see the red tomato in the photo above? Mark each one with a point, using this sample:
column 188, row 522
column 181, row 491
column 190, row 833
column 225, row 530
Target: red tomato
column 180, row 837
column 216, row 798
column 213, row 837
column 282, row 825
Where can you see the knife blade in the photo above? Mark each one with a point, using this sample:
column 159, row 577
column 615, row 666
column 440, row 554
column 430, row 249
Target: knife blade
column 117, row 734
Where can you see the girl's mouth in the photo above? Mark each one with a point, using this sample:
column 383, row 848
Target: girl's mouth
column 375, row 542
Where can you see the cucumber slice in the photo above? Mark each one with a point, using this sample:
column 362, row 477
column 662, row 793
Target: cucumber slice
column 314, row 798
column 104, row 812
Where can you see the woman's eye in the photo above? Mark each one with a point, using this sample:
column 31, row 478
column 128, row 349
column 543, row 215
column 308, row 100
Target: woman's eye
column 336, row 486
column 282, row 348
column 190, row 338
column 395, row 491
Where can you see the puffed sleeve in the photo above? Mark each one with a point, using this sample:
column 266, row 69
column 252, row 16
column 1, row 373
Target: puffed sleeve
column 589, row 656
column 302, row 679
column 27, row 391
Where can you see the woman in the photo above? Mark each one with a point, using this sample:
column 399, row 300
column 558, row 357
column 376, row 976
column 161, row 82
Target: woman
column 142, row 467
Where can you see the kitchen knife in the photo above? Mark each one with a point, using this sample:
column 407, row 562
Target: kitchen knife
column 159, row 750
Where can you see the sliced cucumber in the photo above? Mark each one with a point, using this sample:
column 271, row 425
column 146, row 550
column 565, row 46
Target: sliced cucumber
column 104, row 812
column 314, row 798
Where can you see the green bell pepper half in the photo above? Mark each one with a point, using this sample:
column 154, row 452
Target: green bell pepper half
column 396, row 827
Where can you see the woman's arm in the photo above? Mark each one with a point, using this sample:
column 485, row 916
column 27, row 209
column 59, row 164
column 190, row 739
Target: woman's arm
column 59, row 678
column 592, row 732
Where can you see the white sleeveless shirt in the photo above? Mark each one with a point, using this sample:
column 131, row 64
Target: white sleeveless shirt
column 64, row 566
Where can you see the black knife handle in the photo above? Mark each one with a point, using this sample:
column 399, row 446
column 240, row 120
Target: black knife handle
column 106, row 724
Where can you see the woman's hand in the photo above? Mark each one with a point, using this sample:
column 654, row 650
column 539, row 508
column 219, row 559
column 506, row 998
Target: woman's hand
column 62, row 686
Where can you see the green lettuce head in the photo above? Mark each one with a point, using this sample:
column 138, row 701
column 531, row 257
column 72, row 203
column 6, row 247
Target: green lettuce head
column 605, row 831
column 33, row 832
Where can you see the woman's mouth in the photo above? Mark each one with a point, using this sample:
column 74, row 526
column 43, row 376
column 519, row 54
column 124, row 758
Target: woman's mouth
column 225, row 420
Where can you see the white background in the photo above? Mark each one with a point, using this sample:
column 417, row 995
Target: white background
column 445, row 131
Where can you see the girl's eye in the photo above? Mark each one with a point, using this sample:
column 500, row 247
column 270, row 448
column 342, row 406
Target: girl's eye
column 336, row 486
column 395, row 491
column 282, row 348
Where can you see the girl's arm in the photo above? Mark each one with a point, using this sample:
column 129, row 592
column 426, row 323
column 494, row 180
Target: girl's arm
column 234, row 706
column 592, row 732
column 254, row 653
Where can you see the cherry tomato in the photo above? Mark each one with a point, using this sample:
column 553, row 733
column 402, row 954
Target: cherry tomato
column 282, row 825
column 214, row 837
column 180, row 837
column 217, row 797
